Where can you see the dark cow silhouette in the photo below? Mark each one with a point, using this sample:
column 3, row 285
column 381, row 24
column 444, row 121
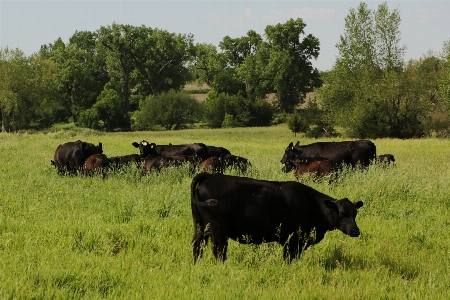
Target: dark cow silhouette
column 213, row 165
column 217, row 151
column 70, row 157
column 319, row 168
column 117, row 162
column 238, row 163
column 96, row 164
column 256, row 211
column 156, row 163
column 348, row 152
column 386, row 159
column 151, row 149
column 294, row 164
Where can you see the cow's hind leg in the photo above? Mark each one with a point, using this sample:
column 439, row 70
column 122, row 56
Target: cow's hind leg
column 220, row 246
column 199, row 239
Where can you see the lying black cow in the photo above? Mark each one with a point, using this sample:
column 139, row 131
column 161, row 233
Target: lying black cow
column 256, row 211
column 349, row 152
column 151, row 149
column 117, row 162
column 70, row 157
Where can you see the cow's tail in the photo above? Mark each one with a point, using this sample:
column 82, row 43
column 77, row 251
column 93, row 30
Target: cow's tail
column 195, row 198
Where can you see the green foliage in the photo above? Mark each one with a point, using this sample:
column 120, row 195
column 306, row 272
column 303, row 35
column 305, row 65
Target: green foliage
column 243, row 111
column 370, row 92
column 171, row 110
column 105, row 114
column 297, row 124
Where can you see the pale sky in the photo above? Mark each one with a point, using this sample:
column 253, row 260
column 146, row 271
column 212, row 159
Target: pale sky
column 29, row 24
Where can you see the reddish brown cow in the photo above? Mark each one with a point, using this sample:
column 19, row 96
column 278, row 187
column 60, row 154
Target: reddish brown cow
column 96, row 164
column 212, row 165
column 318, row 168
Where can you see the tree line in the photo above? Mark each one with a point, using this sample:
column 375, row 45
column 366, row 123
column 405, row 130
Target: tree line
column 124, row 77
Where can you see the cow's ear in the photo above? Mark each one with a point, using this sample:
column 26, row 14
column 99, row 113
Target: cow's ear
column 152, row 145
column 358, row 204
column 298, row 143
column 291, row 144
column 135, row 144
column 330, row 204
column 100, row 146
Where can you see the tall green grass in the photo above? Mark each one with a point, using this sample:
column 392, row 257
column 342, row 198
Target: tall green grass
column 129, row 236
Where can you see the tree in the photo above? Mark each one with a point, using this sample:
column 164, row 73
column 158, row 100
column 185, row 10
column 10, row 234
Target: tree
column 370, row 92
column 170, row 110
column 288, row 69
column 444, row 80
column 297, row 124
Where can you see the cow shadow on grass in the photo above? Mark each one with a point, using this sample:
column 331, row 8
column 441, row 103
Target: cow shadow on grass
column 339, row 259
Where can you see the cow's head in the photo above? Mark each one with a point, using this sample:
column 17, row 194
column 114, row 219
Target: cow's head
column 145, row 148
column 342, row 214
column 291, row 153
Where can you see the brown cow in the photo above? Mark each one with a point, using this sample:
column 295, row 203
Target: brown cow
column 96, row 164
column 212, row 165
column 318, row 168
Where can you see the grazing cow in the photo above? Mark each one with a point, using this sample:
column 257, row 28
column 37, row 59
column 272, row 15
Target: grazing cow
column 386, row 159
column 319, row 168
column 213, row 165
column 348, row 152
column 294, row 164
column 239, row 163
column 156, row 163
column 151, row 149
column 96, row 164
column 252, row 211
column 117, row 162
column 70, row 157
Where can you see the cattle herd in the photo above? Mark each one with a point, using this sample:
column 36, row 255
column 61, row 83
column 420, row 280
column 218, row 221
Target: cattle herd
column 244, row 209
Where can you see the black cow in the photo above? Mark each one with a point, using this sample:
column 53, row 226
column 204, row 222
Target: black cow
column 151, row 149
column 238, row 163
column 256, row 211
column 217, row 151
column 116, row 162
column 386, row 159
column 348, row 152
column 156, row 163
column 70, row 157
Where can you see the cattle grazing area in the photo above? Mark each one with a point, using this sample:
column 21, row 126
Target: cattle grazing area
column 129, row 235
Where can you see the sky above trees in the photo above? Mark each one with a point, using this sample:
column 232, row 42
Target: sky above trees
column 29, row 24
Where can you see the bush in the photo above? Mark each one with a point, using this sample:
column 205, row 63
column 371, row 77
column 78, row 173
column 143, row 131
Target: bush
column 297, row 124
column 171, row 110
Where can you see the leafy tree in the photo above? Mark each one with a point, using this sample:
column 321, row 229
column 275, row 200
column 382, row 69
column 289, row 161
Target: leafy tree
column 370, row 92
column 444, row 80
column 297, row 124
column 170, row 110
column 207, row 63
column 106, row 113
column 80, row 74
column 288, row 68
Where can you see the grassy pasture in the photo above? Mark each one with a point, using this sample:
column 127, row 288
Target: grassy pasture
column 129, row 236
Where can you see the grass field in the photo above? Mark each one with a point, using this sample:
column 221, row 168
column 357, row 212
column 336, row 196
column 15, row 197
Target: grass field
column 129, row 236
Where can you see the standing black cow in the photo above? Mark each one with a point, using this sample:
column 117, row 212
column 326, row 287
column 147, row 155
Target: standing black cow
column 256, row 211
column 151, row 149
column 217, row 151
column 349, row 152
column 70, row 157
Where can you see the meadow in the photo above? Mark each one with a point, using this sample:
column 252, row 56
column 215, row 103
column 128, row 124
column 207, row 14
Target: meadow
column 128, row 236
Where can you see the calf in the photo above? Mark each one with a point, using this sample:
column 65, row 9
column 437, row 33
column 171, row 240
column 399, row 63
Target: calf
column 118, row 162
column 96, row 164
column 252, row 211
column 239, row 163
column 213, row 165
column 319, row 168
column 386, row 159
column 156, row 163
